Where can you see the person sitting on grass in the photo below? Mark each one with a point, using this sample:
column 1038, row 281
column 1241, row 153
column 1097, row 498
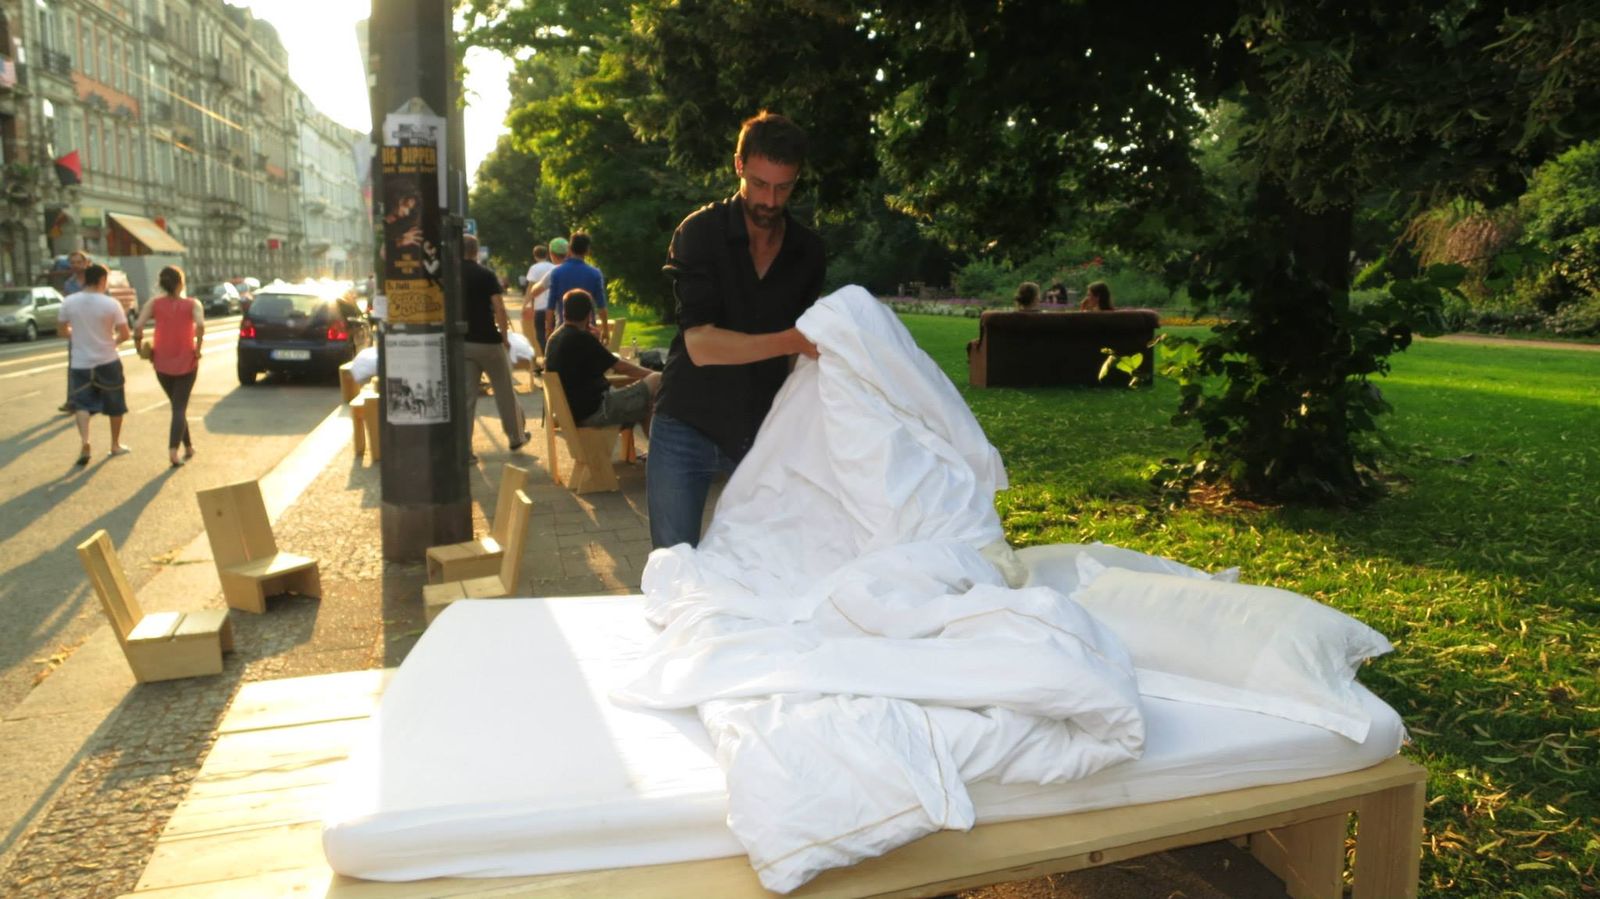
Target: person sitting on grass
column 1027, row 298
column 1097, row 298
column 582, row 361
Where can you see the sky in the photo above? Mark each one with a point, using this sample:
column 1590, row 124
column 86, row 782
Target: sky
column 320, row 36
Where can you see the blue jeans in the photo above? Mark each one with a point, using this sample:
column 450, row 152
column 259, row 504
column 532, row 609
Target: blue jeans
column 678, row 475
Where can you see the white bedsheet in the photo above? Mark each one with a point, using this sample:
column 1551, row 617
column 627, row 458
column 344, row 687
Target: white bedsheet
column 855, row 656
column 495, row 752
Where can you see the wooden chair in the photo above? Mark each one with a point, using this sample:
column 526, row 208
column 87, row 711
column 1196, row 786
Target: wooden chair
column 480, row 557
column 348, row 388
column 364, row 421
column 590, row 448
column 248, row 561
column 160, row 645
column 435, row 597
column 614, row 339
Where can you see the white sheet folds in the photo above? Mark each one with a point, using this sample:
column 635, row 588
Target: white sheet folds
column 854, row 656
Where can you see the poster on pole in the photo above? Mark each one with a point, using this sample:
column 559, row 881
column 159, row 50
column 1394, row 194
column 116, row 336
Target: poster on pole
column 415, row 388
column 412, row 160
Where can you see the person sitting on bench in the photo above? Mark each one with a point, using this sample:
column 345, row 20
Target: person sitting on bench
column 576, row 354
column 1097, row 298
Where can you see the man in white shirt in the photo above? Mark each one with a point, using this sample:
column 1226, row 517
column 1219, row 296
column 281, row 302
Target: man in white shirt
column 94, row 324
column 536, row 317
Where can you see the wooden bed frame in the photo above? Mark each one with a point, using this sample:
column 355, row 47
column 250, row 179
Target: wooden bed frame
column 251, row 826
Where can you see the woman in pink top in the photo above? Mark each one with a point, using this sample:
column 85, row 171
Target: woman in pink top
column 180, row 328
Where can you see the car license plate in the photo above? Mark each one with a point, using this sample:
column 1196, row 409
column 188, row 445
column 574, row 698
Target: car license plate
column 290, row 355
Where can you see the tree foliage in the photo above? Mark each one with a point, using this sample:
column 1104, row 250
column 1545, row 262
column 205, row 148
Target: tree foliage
column 997, row 126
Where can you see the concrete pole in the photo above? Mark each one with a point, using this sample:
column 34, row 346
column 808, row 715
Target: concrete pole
column 426, row 497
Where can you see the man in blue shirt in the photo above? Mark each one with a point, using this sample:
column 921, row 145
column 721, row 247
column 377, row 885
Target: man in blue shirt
column 576, row 273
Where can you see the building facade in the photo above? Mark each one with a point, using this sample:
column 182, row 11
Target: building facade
column 192, row 142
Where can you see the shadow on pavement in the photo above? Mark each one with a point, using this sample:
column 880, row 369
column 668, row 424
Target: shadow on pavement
column 38, row 603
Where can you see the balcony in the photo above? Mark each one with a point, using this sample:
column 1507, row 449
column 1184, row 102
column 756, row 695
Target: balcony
column 158, row 112
column 55, row 62
column 225, row 213
column 155, row 28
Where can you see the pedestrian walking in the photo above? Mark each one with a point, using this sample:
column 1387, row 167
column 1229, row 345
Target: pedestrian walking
column 485, row 345
column 78, row 261
column 94, row 324
column 180, row 329
column 535, row 298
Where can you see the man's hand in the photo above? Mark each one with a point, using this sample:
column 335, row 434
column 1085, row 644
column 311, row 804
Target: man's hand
column 803, row 344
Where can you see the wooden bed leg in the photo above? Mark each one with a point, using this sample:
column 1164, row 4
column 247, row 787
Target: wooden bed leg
column 1308, row 857
column 1389, row 843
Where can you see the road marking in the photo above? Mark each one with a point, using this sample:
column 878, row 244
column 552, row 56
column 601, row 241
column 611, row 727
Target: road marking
column 26, row 395
column 54, row 366
column 150, row 408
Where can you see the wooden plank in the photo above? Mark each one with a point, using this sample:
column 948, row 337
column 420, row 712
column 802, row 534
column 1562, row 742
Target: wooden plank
column 214, row 814
column 1389, row 841
column 1308, row 857
column 305, row 700
column 156, row 627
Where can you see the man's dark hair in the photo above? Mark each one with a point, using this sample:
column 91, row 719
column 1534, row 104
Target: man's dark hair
column 577, row 305
column 773, row 136
column 541, row 252
column 94, row 274
column 579, row 245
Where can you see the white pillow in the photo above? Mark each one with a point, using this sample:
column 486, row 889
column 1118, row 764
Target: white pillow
column 1064, row 566
column 1238, row 646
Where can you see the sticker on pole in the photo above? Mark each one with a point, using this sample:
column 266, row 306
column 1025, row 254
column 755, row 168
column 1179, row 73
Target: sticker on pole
column 412, row 160
column 415, row 387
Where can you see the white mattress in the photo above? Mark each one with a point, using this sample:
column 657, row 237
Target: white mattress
column 497, row 752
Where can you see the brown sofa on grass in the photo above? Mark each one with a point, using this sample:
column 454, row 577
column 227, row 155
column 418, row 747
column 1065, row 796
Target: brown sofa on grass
column 1044, row 349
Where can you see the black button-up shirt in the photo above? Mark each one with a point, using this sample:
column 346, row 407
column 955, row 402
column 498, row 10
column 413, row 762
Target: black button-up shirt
column 714, row 280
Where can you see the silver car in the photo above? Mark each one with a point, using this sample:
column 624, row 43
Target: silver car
column 25, row 311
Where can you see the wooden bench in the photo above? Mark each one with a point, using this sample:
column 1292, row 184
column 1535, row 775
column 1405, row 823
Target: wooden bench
column 158, row 645
column 480, row 557
column 248, row 561
column 435, row 597
column 590, row 448
column 251, row 826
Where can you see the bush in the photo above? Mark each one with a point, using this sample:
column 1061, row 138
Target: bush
column 987, row 279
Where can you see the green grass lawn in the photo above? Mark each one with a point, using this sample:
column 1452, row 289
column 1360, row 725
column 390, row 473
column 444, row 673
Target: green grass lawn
column 1482, row 566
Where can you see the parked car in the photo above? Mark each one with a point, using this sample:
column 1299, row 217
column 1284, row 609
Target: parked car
column 221, row 298
column 301, row 328
column 25, row 311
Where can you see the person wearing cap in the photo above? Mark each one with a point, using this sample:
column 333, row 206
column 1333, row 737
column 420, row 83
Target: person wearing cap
column 743, row 272
column 537, row 318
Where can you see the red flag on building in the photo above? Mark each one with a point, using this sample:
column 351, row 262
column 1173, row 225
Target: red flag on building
column 69, row 170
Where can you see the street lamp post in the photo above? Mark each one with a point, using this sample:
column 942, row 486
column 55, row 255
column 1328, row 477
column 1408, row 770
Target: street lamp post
column 426, row 498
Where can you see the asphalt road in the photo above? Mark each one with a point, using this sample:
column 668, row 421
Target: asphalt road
column 48, row 505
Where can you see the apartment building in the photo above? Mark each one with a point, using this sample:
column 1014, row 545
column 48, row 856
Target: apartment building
column 192, row 141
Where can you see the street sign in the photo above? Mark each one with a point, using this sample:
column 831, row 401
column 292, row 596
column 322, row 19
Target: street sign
column 471, row 227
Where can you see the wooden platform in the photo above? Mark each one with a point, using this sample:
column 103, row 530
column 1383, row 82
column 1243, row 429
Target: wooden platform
column 251, row 826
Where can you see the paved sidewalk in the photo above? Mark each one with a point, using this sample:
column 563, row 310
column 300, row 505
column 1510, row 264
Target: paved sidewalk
column 101, row 762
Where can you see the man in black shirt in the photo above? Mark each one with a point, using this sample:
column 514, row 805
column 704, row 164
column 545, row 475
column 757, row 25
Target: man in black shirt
column 743, row 272
column 578, row 356
column 484, row 349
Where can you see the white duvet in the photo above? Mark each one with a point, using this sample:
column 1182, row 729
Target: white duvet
column 855, row 657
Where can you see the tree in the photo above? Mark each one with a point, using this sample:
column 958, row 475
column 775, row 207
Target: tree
column 1562, row 213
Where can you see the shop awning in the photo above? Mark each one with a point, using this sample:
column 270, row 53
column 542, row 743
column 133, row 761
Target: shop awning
column 154, row 238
